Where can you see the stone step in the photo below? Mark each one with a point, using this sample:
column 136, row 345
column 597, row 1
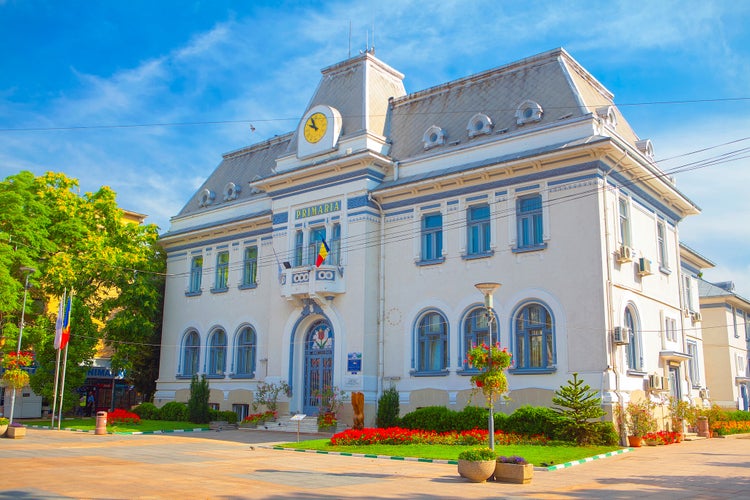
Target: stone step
column 284, row 423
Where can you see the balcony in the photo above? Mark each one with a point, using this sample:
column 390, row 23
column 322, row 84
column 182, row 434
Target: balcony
column 309, row 281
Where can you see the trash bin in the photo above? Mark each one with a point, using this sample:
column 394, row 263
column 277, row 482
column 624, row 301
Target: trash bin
column 101, row 423
column 703, row 430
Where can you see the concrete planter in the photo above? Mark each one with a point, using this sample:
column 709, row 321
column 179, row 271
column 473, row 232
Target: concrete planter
column 3, row 428
column 476, row 472
column 514, row 473
column 15, row 432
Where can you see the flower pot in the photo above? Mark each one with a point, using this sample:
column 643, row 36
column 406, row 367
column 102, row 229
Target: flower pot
column 3, row 428
column 514, row 473
column 476, row 472
column 651, row 442
column 15, row 432
column 635, row 441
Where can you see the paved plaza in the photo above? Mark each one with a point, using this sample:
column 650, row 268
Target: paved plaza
column 50, row 464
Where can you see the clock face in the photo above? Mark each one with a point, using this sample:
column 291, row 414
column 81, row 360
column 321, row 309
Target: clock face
column 315, row 127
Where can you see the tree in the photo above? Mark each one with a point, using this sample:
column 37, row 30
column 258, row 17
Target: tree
column 198, row 403
column 578, row 405
column 388, row 408
column 77, row 242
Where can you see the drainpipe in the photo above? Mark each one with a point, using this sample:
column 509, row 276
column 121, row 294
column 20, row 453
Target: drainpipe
column 381, row 297
column 609, row 347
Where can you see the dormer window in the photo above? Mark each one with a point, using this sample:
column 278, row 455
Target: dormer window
column 479, row 124
column 206, row 198
column 434, row 136
column 528, row 112
column 607, row 116
column 231, row 191
column 646, row 147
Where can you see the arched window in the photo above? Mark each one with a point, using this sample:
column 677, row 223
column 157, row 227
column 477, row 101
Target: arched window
column 217, row 353
column 246, row 352
column 534, row 338
column 477, row 332
column 190, row 353
column 432, row 343
column 634, row 346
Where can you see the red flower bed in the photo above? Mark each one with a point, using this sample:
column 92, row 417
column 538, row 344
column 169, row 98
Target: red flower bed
column 398, row 435
column 663, row 437
column 120, row 416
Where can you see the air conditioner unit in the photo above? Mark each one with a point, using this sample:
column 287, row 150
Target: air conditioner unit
column 655, row 382
column 696, row 317
column 622, row 335
column 644, row 266
column 625, row 254
column 704, row 394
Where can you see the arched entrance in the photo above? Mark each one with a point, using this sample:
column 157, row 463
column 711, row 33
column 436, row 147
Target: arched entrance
column 318, row 364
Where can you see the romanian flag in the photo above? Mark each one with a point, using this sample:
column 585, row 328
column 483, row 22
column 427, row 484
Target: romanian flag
column 322, row 254
column 62, row 326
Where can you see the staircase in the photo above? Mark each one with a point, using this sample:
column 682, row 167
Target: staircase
column 309, row 425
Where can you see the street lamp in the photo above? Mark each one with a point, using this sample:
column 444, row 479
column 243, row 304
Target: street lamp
column 28, row 271
column 487, row 290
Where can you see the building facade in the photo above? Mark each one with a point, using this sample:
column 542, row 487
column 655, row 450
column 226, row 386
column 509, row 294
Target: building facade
column 526, row 175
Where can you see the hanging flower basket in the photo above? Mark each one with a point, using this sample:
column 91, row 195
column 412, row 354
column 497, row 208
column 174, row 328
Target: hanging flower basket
column 491, row 362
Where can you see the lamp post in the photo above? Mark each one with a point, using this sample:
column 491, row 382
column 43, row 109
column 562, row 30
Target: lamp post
column 28, row 271
column 487, row 290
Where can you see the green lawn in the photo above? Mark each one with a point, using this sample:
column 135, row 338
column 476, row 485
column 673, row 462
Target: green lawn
column 538, row 455
column 89, row 424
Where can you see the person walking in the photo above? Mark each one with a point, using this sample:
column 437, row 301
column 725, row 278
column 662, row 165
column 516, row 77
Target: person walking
column 81, row 410
column 90, row 404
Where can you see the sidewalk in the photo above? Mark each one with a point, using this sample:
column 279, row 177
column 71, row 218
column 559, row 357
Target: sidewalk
column 240, row 464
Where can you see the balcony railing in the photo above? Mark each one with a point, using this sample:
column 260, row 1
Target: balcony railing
column 309, row 281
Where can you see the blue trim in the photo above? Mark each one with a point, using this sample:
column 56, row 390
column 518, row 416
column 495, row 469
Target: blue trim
column 441, row 373
column 251, row 286
column 193, row 294
column 501, row 193
column 693, row 271
column 303, row 315
column 512, row 342
column 329, row 182
column 527, row 188
column 176, row 255
column 415, row 342
column 400, row 212
column 477, row 198
column 430, row 207
column 223, row 222
column 481, row 255
column 430, row 262
column 357, row 202
column 715, row 306
column 452, row 202
column 363, row 212
column 248, row 234
column 575, row 179
column 280, row 218
column 219, row 290
column 532, row 371
column 222, row 247
column 534, row 248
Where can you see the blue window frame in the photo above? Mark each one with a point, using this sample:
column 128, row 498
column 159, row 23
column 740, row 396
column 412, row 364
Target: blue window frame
column 317, row 235
column 298, row 248
column 190, row 354
column 530, row 222
column 250, row 267
column 477, row 332
column 478, row 230
column 217, row 354
column 432, row 237
column 334, row 256
column 534, row 338
column 196, row 273
column 246, row 353
column 222, row 270
column 634, row 346
column 624, row 214
column 432, row 343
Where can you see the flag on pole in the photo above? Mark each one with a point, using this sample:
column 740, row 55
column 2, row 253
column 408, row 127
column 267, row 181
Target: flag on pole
column 65, row 331
column 59, row 322
column 322, row 254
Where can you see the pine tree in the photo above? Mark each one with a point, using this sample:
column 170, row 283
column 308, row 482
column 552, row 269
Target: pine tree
column 198, row 403
column 578, row 405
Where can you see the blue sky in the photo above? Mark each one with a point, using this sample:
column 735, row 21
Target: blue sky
column 145, row 96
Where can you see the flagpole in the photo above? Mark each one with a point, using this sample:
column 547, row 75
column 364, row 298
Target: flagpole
column 58, row 334
column 62, row 387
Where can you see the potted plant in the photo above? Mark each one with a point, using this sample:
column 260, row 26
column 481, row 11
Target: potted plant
column 639, row 420
column 330, row 399
column 327, row 422
column 268, row 395
column 15, row 431
column 477, row 465
column 3, row 425
column 513, row 469
column 252, row 420
column 680, row 412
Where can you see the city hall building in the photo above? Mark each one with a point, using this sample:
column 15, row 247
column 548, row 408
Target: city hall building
column 526, row 175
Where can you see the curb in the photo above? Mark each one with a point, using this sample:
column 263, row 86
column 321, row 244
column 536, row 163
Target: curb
column 449, row 462
column 47, row 427
column 584, row 460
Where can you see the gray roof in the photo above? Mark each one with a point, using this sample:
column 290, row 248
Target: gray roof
column 709, row 290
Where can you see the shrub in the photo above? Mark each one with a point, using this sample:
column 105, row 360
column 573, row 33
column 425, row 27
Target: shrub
column 604, row 434
column 430, row 418
column 198, row 409
column 478, row 454
column 471, row 417
column 147, row 411
column 174, row 411
column 532, row 420
column 121, row 416
column 228, row 415
column 388, row 409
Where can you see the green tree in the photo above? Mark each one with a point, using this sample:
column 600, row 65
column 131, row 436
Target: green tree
column 388, row 408
column 198, row 403
column 77, row 242
column 578, row 405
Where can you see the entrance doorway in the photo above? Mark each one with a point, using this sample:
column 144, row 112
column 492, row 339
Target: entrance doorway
column 318, row 364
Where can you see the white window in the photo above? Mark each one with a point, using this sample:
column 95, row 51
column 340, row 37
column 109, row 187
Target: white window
column 624, row 214
column 670, row 327
column 694, row 366
column 661, row 240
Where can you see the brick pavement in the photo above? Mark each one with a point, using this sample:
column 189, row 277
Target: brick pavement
column 53, row 464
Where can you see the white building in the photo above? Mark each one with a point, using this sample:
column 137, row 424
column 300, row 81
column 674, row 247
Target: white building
column 527, row 175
